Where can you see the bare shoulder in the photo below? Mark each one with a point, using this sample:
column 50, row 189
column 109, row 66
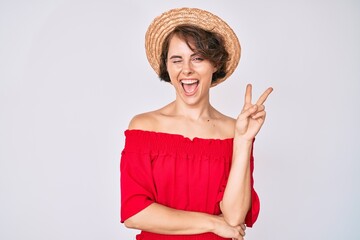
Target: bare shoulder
column 149, row 121
column 230, row 121
column 143, row 121
column 226, row 124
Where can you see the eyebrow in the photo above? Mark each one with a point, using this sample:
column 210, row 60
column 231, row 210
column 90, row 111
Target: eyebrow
column 176, row 56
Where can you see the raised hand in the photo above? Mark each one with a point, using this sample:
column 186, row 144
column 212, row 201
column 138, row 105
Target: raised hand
column 252, row 116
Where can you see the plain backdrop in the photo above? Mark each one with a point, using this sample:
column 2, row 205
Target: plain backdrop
column 73, row 73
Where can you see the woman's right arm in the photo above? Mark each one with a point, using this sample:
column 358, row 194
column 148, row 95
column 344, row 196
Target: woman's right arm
column 160, row 219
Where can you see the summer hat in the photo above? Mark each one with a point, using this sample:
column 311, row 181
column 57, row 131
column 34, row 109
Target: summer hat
column 166, row 22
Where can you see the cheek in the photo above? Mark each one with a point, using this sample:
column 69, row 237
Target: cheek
column 172, row 70
column 207, row 71
column 171, row 74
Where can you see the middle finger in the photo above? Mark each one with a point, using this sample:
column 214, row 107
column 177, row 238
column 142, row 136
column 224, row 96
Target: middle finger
column 264, row 96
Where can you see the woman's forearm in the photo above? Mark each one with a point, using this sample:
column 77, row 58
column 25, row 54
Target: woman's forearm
column 237, row 196
column 160, row 219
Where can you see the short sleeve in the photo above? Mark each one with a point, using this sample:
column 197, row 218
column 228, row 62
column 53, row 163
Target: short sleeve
column 136, row 181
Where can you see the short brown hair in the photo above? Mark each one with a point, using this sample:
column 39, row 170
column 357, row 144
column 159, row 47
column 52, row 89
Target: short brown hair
column 209, row 44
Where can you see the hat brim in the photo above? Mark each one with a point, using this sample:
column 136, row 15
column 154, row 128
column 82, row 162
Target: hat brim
column 166, row 22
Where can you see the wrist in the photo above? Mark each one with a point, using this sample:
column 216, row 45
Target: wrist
column 204, row 222
column 241, row 141
column 213, row 223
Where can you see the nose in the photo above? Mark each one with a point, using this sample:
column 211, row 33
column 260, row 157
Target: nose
column 187, row 68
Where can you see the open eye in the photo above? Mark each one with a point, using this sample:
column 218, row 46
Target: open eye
column 197, row 58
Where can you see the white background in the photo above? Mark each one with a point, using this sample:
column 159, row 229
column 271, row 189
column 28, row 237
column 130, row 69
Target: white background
column 73, row 73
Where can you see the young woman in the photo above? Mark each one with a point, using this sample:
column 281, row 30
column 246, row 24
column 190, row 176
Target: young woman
column 186, row 169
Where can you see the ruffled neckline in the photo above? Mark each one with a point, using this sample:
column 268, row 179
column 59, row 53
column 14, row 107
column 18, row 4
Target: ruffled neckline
column 169, row 143
column 175, row 135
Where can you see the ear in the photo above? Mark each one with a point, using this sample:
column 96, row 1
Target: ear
column 215, row 69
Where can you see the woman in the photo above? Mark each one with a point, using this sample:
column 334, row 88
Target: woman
column 186, row 169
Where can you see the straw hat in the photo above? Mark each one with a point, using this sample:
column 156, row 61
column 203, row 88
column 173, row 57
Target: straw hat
column 166, row 22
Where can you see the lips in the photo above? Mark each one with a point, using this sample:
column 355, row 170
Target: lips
column 189, row 86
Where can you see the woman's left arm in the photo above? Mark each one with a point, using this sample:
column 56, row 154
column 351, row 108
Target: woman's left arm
column 236, row 201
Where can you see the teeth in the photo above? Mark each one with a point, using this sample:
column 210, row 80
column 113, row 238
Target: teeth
column 189, row 81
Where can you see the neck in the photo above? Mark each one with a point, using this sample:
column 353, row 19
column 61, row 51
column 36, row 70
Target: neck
column 193, row 112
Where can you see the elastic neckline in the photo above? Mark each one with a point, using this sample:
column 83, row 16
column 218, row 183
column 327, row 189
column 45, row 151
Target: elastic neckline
column 179, row 135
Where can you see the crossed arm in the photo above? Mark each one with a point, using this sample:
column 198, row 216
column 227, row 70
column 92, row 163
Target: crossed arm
column 172, row 221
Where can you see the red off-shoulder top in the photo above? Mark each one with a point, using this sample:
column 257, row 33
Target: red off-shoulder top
column 177, row 172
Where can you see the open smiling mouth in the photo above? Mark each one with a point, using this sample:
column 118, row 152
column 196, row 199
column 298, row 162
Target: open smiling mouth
column 189, row 85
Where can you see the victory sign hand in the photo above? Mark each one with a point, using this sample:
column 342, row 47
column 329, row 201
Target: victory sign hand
column 252, row 116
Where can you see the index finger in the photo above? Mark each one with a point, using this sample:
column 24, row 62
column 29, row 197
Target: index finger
column 248, row 94
column 264, row 96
